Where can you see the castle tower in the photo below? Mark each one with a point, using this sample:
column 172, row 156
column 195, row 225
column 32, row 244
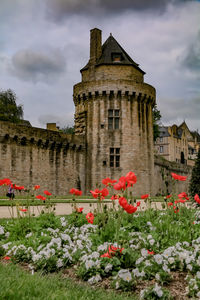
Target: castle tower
column 113, row 111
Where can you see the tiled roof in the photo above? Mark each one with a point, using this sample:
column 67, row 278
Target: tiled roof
column 163, row 131
column 111, row 48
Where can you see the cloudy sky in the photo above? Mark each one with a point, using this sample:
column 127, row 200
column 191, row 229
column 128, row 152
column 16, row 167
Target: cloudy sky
column 44, row 44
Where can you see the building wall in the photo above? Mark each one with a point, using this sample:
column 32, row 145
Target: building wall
column 163, row 182
column 31, row 156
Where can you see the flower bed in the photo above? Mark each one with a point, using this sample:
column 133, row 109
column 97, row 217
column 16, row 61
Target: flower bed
column 155, row 254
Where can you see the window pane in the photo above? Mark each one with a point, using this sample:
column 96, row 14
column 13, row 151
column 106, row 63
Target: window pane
column 116, row 123
column 111, row 150
column 110, row 112
column 110, row 123
column 117, row 161
column 116, row 112
column 117, row 150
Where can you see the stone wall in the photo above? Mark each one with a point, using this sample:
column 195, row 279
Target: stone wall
column 163, row 183
column 31, row 156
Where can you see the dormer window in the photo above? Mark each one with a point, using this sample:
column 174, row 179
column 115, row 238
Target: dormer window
column 117, row 57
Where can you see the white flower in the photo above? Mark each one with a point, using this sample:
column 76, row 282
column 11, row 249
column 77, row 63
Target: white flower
column 7, row 234
column 158, row 259
column 139, row 260
column 59, row 263
column 95, row 254
column 1, row 229
column 142, row 293
column 94, row 279
column 151, row 242
column 157, row 276
column 171, row 260
column 6, row 246
column 198, row 295
column 89, row 264
column 29, row 235
column 149, row 237
column 144, row 252
column 189, row 267
column 158, row 290
column 108, row 267
column 165, row 268
column 125, row 275
column 198, row 275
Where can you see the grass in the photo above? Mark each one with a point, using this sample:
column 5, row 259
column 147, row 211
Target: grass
column 17, row 284
column 59, row 199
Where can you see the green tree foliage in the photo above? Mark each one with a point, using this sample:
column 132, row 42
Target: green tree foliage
column 194, row 187
column 68, row 129
column 9, row 110
column 156, row 118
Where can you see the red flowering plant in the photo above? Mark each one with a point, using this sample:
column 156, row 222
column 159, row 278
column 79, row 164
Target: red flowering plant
column 75, row 192
column 182, row 197
column 100, row 195
column 122, row 187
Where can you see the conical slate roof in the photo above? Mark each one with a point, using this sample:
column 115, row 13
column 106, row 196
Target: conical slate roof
column 110, row 49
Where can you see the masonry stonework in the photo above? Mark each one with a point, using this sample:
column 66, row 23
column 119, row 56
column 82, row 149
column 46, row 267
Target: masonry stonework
column 113, row 131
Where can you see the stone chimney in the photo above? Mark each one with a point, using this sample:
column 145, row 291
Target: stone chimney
column 95, row 45
column 52, row 126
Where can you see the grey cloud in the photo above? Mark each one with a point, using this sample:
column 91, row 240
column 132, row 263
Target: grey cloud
column 192, row 57
column 35, row 66
column 60, row 120
column 58, row 9
column 187, row 110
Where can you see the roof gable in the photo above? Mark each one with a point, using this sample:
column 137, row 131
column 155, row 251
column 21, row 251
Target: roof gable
column 112, row 48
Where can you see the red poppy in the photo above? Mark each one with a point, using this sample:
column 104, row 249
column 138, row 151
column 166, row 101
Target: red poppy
column 36, row 187
column 7, row 258
column 176, row 210
column 47, row 193
column 170, row 204
column 112, row 251
column 23, row 209
column 108, row 182
column 40, row 197
column 130, row 209
column 151, row 252
column 178, row 177
column 138, row 203
column 6, row 181
column 123, row 202
column 168, row 196
column 79, row 209
column 121, row 185
column 180, row 201
column 19, row 188
column 114, row 197
column 125, row 181
column 90, row 217
column 145, row 196
column 183, row 195
column 106, row 255
column 197, row 199
column 131, row 178
column 100, row 193
column 75, row 192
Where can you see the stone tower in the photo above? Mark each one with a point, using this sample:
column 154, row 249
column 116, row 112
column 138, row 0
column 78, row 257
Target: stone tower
column 113, row 111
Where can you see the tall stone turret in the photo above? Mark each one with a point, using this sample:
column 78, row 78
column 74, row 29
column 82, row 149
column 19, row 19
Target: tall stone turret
column 113, row 111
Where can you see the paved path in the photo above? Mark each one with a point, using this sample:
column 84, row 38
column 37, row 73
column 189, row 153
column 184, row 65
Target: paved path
column 66, row 208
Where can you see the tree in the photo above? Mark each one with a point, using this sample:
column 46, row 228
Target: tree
column 194, row 187
column 68, row 129
column 156, row 118
column 9, row 110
